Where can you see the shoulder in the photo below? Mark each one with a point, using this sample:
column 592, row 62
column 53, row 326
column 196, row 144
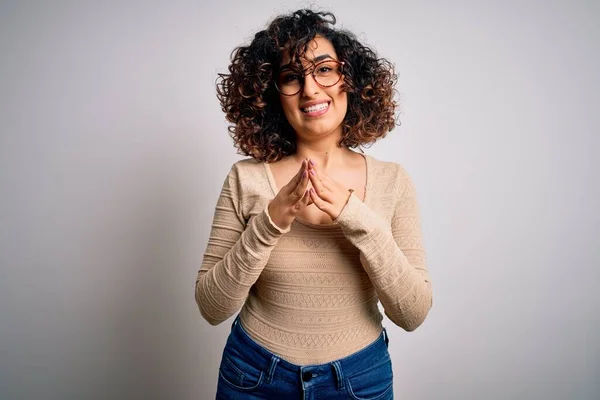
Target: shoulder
column 246, row 164
column 245, row 169
column 392, row 177
column 385, row 170
column 250, row 178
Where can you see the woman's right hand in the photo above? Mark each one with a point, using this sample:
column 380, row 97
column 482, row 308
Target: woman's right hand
column 291, row 199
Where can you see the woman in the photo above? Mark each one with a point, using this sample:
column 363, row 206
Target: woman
column 309, row 235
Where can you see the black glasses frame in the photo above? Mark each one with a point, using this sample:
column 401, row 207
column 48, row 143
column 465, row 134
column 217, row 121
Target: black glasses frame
column 312, row 72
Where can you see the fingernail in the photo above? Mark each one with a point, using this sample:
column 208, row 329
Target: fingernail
column 304, row 174
column 312, row 162
column 312, row 172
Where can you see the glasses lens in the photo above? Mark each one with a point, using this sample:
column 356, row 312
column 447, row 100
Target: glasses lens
column 289, row 82
column 328, row 73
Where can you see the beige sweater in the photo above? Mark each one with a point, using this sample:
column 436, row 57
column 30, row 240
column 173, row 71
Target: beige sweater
column 309, row 293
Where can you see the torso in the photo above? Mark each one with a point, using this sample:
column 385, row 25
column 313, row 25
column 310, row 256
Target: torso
column 354, row 176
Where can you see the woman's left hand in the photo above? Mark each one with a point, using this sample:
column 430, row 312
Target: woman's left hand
column 329, row 195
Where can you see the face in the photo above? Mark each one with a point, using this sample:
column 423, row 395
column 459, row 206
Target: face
column 315, row 111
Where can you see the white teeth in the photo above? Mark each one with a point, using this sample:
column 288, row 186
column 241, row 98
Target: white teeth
column 317, row 107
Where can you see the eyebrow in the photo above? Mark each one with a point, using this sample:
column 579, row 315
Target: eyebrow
column 315, row 60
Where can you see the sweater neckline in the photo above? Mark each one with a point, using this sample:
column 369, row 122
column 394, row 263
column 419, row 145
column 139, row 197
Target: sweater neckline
column 302, row 221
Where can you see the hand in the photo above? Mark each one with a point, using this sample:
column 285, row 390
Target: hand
column 291, row 199
column 329, row 195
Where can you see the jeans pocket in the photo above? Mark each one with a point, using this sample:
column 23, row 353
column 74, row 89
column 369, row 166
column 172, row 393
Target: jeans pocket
column 238, row 373
column 374, row 383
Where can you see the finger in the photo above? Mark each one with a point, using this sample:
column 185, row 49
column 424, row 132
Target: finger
column 300, row 189
column 300, row 173
column 296, row 180
column 319, row 202
column 310, row 201
column 323, row 177
column 303, row 203
column 318, row 185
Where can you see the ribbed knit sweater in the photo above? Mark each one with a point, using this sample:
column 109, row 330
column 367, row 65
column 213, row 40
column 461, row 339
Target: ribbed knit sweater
column 309, row 293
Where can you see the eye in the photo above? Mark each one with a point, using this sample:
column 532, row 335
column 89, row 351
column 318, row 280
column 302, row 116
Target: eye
column 324, row 69
column 289, row 78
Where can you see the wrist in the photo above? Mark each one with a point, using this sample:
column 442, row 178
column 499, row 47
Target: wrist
column 275, row 218
column 345, row 204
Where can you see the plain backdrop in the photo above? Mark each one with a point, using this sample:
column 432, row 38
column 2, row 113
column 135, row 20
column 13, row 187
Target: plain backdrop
column 113, row 150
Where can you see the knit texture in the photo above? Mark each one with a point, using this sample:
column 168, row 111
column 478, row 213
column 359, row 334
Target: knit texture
column 309, row 293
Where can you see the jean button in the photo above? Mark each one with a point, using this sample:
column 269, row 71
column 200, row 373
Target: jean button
column 306, row 376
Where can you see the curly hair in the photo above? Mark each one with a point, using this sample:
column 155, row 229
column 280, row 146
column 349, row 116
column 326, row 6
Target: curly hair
column 251, row 102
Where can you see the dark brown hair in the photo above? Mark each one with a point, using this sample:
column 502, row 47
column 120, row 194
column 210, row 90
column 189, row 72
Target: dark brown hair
column 251, row 102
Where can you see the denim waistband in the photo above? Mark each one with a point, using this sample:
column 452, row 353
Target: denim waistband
column 335, row 370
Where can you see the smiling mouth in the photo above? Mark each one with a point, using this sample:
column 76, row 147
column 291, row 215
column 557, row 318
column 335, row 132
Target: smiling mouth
column 316, row 108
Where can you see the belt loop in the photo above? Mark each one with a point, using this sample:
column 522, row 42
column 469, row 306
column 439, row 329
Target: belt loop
column 386, row 337
column 271, row 371
column 339, row 374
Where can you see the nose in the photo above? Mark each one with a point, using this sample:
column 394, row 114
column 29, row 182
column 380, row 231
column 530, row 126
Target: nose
column 310, row 86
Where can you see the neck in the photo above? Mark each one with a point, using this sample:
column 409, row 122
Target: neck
column 325, row 153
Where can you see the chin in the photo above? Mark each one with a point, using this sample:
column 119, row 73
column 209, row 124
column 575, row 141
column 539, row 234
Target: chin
column 318, row 132
column 318, row 126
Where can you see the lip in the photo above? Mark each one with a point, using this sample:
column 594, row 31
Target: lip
column 315, row 113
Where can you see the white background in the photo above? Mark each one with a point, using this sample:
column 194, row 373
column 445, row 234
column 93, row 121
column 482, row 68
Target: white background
column 113, row 150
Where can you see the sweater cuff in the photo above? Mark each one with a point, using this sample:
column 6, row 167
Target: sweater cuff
column 269, row 224
column 358, row 220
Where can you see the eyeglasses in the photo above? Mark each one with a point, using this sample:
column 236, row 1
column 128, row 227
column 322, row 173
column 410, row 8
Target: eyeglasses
column 326, row 73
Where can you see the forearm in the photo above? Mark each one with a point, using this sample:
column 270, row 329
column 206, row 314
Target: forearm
column 402, row 284
column 222, row 286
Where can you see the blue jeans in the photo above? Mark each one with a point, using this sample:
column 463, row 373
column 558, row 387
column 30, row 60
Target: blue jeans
column 249, row 371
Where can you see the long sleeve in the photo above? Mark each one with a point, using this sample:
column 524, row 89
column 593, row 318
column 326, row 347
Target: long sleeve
column 236, row 253
column 392, row 254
